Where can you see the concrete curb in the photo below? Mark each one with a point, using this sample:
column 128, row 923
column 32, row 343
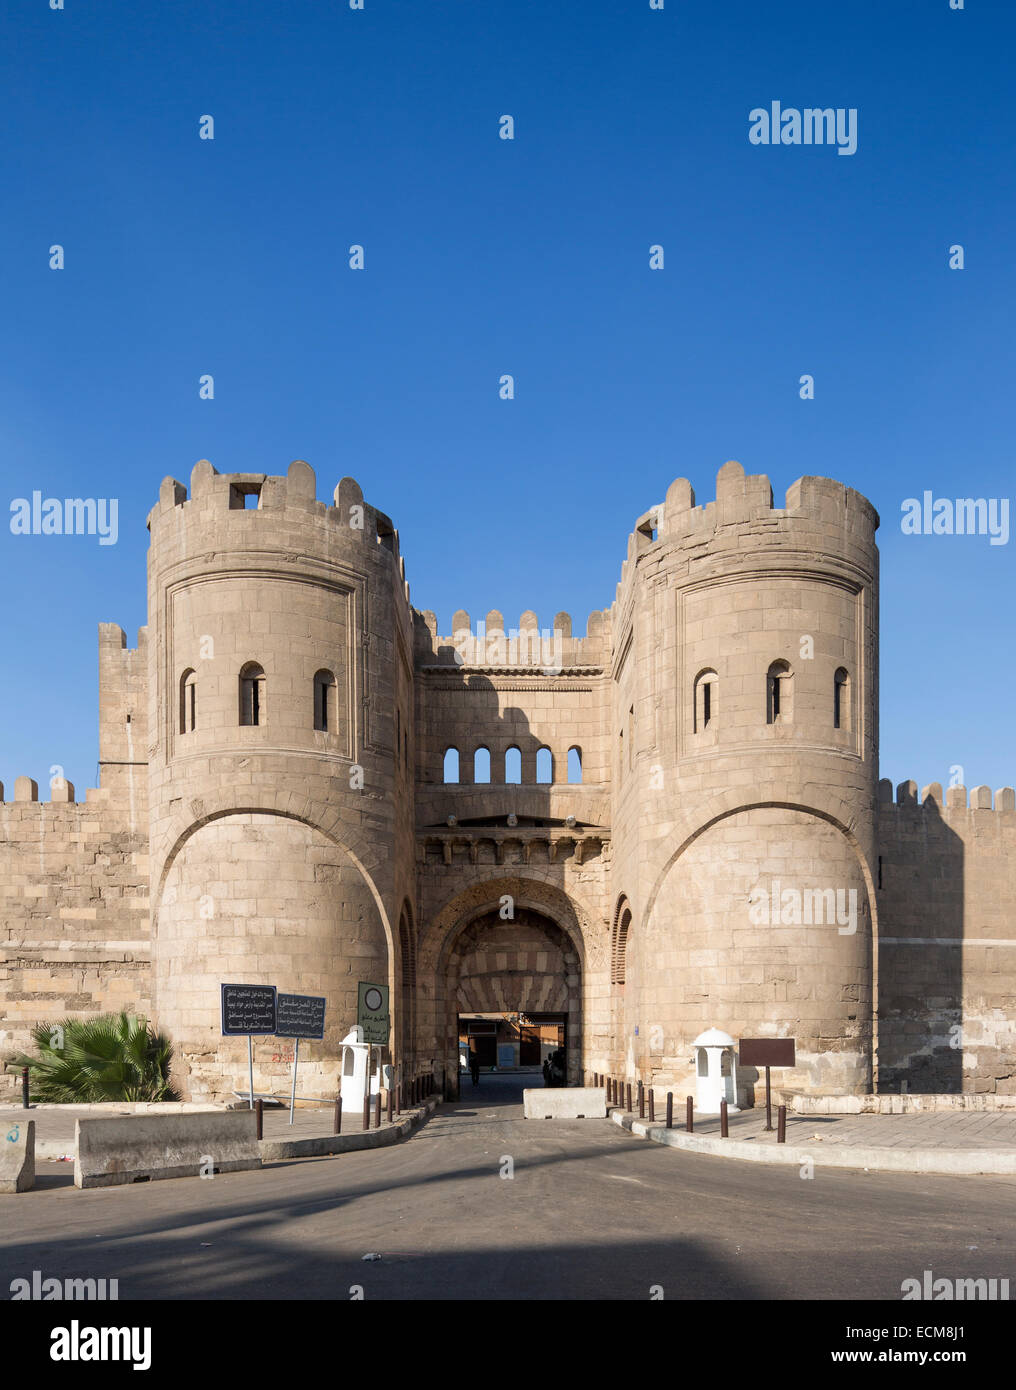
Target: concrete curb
column 17, row 1156
column 876, row 1160
column 273, row 1150
column 116, row 1150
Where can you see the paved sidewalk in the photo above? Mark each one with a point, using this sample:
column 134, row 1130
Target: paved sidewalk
column 943, row 1130
column 935, row 1142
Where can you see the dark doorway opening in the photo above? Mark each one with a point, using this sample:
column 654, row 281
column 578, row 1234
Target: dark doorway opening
column 532, row 1046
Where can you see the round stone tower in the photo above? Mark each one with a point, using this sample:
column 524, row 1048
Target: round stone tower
column 746, row 712
column 281, row 801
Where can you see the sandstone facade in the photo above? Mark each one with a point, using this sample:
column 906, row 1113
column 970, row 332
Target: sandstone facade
column 682, row 826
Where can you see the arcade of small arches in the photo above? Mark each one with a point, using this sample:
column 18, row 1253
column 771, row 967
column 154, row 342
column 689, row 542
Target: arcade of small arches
column 484, row 767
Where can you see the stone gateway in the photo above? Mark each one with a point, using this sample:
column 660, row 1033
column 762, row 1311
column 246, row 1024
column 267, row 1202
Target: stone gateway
column 669, row 822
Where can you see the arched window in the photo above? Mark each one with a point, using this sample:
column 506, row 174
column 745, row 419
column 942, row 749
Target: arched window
column 451, row 765
column 188, row 702
column 779, row 693
column 706, row 689
column 252, row 694
column 619, row 942
column 841, row 699
column 324, row 702
column 513, row 765
column 481, row 765
column 544, row 765
column 575, row 764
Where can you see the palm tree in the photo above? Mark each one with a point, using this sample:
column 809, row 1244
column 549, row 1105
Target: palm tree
column 110, row 1057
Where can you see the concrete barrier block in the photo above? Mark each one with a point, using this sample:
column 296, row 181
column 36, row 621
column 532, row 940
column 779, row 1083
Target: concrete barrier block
column 139, row 1148
column 565, row 1103
column 17, row 1155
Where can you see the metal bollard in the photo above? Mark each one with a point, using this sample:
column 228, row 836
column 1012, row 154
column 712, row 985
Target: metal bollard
column 377, row 1110
column 652, row 1105
column 391, row 1105
column 724, row 1133
column 398, row 1098
column 781, row 1125
column 642, row 1102
column 670, row 1109
column 24, row 1087
column 259, row 1111
column 338, row 1116
column 689, row 1115
column 627, row 1097
column 366, row 1111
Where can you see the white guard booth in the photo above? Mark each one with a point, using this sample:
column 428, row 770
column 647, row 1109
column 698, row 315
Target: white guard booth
column 358, row 1060
column 715, row 1072
column 355, row 1063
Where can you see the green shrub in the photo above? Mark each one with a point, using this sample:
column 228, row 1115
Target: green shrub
column 110, row 1057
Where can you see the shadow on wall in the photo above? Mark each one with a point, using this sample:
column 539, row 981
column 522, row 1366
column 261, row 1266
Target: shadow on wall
column 920, row 897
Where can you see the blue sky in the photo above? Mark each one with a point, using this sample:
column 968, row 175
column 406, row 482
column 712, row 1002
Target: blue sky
column 527, row 257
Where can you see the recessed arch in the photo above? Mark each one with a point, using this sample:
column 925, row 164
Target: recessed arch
column 544, row 765
column 357, row 854
column 513, row 766
column 619, row 941
column 767, row 805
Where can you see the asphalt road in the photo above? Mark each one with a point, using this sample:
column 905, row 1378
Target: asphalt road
column 590, row 1213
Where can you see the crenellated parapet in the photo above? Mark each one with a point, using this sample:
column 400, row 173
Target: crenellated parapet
column 531, row 645
column 266, row 503
column 955, row 801
column 818, row 514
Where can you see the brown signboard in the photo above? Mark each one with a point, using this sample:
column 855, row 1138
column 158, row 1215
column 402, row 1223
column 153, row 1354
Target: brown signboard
column 765, row 1052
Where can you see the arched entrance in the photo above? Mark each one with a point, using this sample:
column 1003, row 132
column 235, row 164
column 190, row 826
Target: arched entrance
column 522, row 976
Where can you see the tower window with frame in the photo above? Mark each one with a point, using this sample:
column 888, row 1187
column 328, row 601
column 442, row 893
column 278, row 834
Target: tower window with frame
column 841, row 699
column 779, row 693
column 324, row 702
column 704, row 700
column 252, row 694
column 188, row 702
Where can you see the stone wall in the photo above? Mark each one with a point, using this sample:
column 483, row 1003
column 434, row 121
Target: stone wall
column 947, row 940
column 74, row 893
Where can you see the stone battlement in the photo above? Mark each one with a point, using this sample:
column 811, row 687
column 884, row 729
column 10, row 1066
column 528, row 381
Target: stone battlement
column 529, row 645
column 955, row 799
column 816, row 511
column 296, row 492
